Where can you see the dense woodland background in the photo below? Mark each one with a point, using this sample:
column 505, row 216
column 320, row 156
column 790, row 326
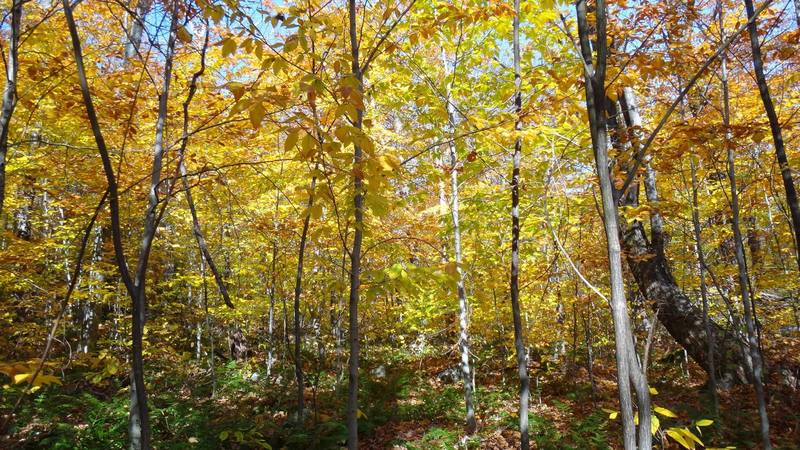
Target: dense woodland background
column 416, row 224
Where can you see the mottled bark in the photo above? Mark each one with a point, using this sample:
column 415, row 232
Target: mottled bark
column 522, row 361
column 629, row 373
column 9, row 92
column 137, row 27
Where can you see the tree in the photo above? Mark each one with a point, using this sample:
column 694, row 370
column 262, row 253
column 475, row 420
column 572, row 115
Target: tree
column 628, row 371
column 774, row 125
column 9, row 92
column 522, row 360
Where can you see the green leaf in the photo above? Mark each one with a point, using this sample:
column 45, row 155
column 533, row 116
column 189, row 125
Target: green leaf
column 223, row 436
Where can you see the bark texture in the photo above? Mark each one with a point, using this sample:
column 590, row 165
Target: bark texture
column 522, row 360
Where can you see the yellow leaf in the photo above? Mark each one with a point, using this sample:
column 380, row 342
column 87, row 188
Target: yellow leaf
column 689, row 435
column 237, row 89
column 679, row 438
column 20, row 377
column 291, row 139
column 316, row 211
column 183, row 34
column 228, row 47
column 308, row 144
column 257, row 113
column 46, row 379
column 360, row 414
column 654, row 424
column 704, row 422
column 664, row 411
column 653, row 391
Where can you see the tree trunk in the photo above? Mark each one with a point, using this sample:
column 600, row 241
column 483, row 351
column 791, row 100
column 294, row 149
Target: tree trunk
column 298, row 290
column 355, row 254
column 628, row 371
column 9, row 93
column 137, row 28
column 744, row 282
column 522, row 362
column 463, row 312
column 701, row 259
column 775, row 127
column 139, row 410
column 650, row 268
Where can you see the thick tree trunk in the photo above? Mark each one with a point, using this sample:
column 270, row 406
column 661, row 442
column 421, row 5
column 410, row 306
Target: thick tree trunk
column 9, row 93
column 522, row 361
column 137, row 28
column 681, row 318
column 650, row 268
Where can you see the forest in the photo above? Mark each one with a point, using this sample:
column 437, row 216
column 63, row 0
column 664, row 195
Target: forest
column 400, row 224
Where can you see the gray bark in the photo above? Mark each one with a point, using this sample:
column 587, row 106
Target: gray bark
column 463, row 312
column 137, row 28
column 522, row 361
column 139, row 416
column 628, row 372
column 355, row 253
column 9, row 92
column 744, row 282
column 774, row 125
column 298, row 290
column 196, row 228
column 698, row 243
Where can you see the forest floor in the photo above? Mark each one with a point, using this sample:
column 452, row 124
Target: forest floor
column 406, row 403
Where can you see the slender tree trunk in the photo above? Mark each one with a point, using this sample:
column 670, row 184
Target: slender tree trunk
column 211, row 350
column 355, row 254
column 627, row 367
column 271, row 314
column 753, row 346
column 139, row 418
column 9, row 93
column 273, row 284
column 463, row 307
column 197, row 230
column 522, row 362
column 140, row 440
column 698, row 243
column 775, row 126
column 139, row 410
column 298, row 290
